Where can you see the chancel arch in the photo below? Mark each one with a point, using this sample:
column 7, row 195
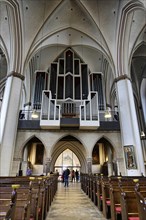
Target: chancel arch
column 67, row 159
column 75, row 147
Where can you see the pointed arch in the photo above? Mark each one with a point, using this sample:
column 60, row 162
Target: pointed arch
column 21, row 149
column 73, row 144
column 14, row 22
column 122, row 53
column 103, row 157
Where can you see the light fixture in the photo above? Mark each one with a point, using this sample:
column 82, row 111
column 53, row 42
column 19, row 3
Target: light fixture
column 142, row 134
column 107, row 114
column 34, row 114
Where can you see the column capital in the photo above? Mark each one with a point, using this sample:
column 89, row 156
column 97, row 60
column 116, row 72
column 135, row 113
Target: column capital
column 48, row 160
column 122, row 77
column 15, row 74
column 89, row 165
column 89, row 159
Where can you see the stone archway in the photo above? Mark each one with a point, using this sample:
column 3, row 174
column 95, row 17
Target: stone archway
column 103, row 158
column 75, row 146
column 67, row 159
column 33, row 156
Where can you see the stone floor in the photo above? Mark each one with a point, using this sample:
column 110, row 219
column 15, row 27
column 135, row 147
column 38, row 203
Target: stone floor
column 70, row 203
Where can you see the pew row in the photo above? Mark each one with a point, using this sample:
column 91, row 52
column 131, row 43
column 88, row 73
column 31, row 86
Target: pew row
column 33, row 197
column 116, row 196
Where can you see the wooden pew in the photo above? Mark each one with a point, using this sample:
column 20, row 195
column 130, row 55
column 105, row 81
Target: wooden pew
column 141, row 201
column 128, row 200
column 123, row 184
column 116, row 195
column 129, row 209
column 11, row 207
column 5, row 206
column 105, row 197
column 99, row 193
column 33, row 199
column 90, row 187
column 95, row 190
column 111, row 190
column 25, row 196
column 5, row 210
column 116, row 182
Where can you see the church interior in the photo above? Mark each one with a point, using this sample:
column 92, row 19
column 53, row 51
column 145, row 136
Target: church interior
column 73, row 89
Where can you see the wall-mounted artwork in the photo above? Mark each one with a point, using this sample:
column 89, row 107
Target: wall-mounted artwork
column 130, row 157
column 95, row 155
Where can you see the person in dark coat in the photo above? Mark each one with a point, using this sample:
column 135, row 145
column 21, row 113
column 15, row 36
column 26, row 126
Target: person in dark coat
column 77, row 176
column 66, row 177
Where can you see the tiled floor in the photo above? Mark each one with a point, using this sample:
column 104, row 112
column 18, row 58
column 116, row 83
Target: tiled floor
column 70, row 203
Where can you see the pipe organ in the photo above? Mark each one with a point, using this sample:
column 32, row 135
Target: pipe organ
column 72, row 92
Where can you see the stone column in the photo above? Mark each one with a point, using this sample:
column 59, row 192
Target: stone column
column 110, row 168
column 9, row 121
column 101, row 153
column 110, row 162
column 89, row 165
column 33, row 154
column 0, row 103
column 25, row 159
column 143, row 99
column 25, row 154
column 129, row 125
column 121, row 166
column 16, row 166
column 48, row 165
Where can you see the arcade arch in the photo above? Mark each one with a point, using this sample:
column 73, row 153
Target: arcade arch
column 67, row 159
column 74, row 148
column 34, row 156
column 103, row 158
column 84, row 148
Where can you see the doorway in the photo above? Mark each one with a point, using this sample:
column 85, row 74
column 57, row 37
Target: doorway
column 67, row 159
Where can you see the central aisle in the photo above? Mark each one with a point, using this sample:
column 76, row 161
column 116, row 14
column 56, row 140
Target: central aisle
column 70, row 203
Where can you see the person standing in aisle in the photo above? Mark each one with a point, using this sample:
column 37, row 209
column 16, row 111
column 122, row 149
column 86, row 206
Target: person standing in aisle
column 73, row 176
column 66, row 177
column 77, row 176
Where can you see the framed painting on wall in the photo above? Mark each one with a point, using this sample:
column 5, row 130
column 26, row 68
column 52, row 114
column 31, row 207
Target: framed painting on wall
column 130, row 157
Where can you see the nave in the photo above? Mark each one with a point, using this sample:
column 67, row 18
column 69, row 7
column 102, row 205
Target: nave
column 71, row 203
